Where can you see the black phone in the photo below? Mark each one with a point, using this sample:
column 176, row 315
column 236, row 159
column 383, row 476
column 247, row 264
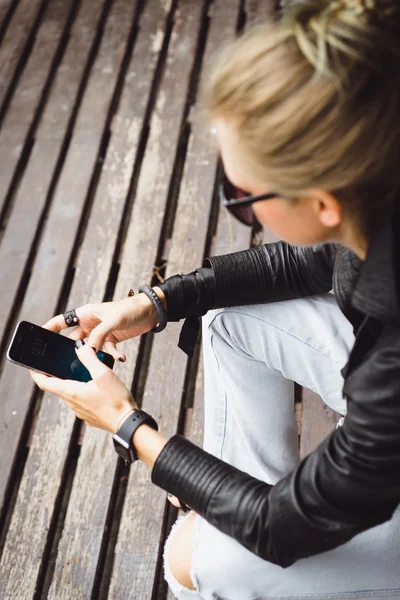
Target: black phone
column 49, row 353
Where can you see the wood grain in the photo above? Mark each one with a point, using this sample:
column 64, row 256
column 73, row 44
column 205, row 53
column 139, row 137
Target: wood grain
column 16, row 391
column 64, row 197
column 135, row 558
column 80, row 545
column 30, row 198
column 318, row 420
column 15, row 40
column 25, row 102
column 38, row 491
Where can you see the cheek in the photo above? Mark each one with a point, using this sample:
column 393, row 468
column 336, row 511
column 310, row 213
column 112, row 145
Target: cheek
column 286, row 224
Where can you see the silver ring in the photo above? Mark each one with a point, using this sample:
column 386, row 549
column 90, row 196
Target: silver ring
column 71, row 318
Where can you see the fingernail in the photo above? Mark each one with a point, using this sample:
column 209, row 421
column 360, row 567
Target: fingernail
column 93, row 347
column 79, row 343
column 170, row 495
column 122, row 358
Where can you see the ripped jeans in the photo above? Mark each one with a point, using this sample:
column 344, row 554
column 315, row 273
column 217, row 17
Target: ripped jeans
column 252, row 355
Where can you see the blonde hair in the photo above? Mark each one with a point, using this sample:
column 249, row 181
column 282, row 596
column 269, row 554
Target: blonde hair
column 315, row 99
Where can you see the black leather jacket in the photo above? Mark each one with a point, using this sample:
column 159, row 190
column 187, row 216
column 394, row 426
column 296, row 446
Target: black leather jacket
column 351, row 482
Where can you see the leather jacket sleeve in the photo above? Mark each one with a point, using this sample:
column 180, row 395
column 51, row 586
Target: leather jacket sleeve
column 348, row 484
column 267, row 273
column 271, row 273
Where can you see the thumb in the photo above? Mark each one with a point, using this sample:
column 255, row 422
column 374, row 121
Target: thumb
column 98, row 335
column 89, row 359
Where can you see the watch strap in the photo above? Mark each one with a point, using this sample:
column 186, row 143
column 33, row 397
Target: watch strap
column 124, row 434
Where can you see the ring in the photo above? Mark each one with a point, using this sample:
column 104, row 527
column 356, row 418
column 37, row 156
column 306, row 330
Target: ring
column 71, row 318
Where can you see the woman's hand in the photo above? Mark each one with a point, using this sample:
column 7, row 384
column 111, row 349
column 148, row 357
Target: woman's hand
column 101, row 402
column 107, row 323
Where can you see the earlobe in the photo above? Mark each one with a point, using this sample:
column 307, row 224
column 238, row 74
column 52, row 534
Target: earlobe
column 330, row 218
column 329, row 209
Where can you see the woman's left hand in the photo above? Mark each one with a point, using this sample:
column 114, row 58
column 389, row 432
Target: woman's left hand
column 101, row 402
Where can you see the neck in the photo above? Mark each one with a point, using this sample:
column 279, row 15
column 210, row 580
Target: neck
column 359, row 247
column 356, row 242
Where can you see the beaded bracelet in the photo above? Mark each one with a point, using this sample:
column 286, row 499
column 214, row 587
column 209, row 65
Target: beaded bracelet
column 158, row 305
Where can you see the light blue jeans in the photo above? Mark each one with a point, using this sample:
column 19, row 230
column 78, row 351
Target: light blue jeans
column 252, row 355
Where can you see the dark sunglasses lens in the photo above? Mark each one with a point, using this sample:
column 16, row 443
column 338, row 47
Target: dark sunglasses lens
column 244, row 214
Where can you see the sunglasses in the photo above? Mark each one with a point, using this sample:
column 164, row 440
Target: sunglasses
column 239, row 203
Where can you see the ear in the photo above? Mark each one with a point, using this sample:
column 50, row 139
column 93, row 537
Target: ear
column 327, row 208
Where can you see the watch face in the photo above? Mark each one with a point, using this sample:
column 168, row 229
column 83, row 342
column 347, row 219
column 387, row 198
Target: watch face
column 123, row 450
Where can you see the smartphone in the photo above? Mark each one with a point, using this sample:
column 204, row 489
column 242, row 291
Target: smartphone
column 49, row 353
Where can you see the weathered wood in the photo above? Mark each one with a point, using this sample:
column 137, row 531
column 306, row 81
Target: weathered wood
column 317, row 421
column 5, row 7
column 135, row 557
column 259, row 11
column 231, row 236
column 79, row 553
column 21, row 562
column 29, row 203
column 27, row 95
column 30, row 199
column 16, row 38
column 80, row 545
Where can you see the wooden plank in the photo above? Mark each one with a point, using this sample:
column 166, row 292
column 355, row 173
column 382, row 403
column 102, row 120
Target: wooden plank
column 139, row 537
column 78, row 555
column 16, row 38
column 24, row 104
column 21, row 562
column 258, row 11
column 317, row 421
column 23, row 223
column 231, row 236
column 30, row 199
column 194, row 423
column 5, row 8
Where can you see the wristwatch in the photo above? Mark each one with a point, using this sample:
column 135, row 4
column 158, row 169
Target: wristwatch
column 123, row 438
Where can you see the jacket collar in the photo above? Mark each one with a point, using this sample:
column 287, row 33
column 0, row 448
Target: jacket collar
column 376, row 292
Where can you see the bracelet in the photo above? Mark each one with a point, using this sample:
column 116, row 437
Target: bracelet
column 158, row 305
column 128, row 413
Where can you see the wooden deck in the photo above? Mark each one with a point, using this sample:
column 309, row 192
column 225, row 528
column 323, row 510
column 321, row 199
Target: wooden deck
column 107, row 180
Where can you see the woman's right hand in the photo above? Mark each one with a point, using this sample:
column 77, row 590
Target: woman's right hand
column 108, row 323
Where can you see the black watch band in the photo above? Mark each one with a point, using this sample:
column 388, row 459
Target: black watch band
column 123, row 438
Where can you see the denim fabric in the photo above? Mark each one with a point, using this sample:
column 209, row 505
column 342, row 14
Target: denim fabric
column 252, row 355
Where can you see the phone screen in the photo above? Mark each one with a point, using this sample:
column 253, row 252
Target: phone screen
column 51, row 353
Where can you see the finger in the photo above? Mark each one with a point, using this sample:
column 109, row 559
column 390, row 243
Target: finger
column 56, row 324
column 37, row 377
column 60, row 387
column 89, row 359
column 98, row 335
column 110, row 347
column 174, row 500
column 77, row 333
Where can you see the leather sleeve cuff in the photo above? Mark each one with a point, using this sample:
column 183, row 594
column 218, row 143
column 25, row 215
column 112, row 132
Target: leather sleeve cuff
column 189, row 295
column 188, row 472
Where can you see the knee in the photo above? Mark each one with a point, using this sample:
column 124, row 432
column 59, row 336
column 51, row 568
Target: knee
column 221, row 321
column 229, row 325
column 209, row 318
column 179, row 554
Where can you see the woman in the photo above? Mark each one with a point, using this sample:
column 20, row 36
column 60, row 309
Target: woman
column 306, row 109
